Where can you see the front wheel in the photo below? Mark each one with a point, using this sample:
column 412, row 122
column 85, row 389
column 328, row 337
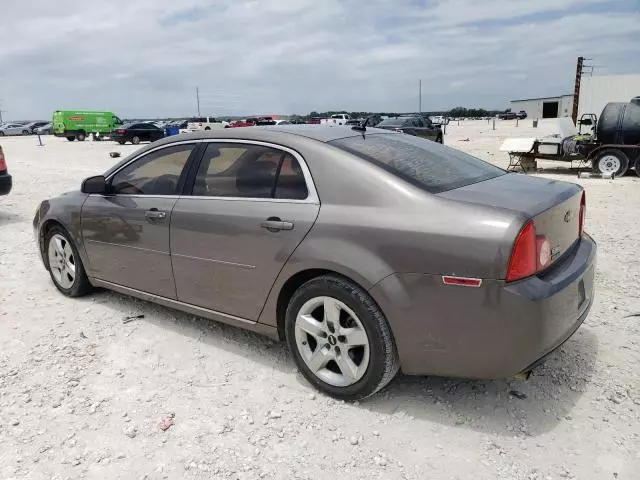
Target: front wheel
column 611, row 162
column 65, row 265
column 340, row 339
column 26, row 132
column 135, row 140
column 439, row 139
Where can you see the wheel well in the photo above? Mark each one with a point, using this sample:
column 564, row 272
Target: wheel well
column 290, row 287
column 48, row 225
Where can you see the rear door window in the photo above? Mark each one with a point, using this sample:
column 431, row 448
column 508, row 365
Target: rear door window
column 423, row 163
column 249, row 171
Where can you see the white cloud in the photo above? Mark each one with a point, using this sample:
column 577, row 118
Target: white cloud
column 145, row 57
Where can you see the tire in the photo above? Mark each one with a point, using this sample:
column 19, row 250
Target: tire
column 207, row 128
column 375, row 356
column 71, row 139
column 1, row 134
column 121, row 142
column 135, row 140
column 439, row 139
column 81, row 136
column 26, row 132
column 611, row 160
column 61, row 254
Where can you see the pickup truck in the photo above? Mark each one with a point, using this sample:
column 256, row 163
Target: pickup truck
column 336, row 119
column 204, row 123
column 5, row 178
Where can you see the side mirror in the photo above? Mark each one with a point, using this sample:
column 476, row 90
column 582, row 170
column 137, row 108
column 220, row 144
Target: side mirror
column 95, row 184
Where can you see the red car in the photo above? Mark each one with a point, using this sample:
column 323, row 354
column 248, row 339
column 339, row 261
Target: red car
column 5, row 178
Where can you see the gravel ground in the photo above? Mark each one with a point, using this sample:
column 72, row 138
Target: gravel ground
column 168, row 396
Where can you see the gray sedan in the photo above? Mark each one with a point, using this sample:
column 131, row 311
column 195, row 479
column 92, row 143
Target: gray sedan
column 368, row 251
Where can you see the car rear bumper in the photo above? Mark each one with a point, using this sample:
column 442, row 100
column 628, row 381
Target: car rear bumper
column 495, row 331
column 5, row 183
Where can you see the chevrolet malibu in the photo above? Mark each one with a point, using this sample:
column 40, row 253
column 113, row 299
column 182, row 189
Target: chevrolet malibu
column 368, row 251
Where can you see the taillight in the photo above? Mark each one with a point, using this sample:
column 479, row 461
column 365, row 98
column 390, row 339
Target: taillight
column 3, row 164
column 122, row 131
column 583, row 211
column 523, row 256
column 531, row 253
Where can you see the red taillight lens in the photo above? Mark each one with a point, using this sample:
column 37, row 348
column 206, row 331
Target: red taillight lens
column 3, row 164
column 121, row 131
column 523, row 261
column 583, row 211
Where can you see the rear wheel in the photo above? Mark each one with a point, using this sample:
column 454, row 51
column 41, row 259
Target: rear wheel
column 340, row 339
column 71, row 139
column 25, row 132
column 65, row 266
column 135, row 140
column 121, row 142
column 439, row 139
column 611, row 162
column 81, row 136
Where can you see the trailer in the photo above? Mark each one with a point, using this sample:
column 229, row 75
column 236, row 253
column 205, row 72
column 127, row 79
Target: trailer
column 610, row 144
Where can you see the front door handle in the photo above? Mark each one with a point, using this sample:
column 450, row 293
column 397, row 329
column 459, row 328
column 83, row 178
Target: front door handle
column 275, row 224
column 154, row 215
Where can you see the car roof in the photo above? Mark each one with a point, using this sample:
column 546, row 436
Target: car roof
column 277, row 134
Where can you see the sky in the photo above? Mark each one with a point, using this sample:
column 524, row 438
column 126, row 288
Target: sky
column 145, row 58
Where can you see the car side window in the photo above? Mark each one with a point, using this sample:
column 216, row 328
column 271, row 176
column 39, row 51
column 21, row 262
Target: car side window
column 418, row 122
column 156, row 173
column 249, row 171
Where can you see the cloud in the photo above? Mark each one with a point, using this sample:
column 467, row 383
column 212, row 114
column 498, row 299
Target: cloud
column 145, row 58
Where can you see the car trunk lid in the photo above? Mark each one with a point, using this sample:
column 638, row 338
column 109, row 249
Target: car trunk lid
column 554, row 206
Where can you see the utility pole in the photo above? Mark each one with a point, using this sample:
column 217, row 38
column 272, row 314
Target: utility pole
column 1, row 111
column 198, row 99
column 420, row 96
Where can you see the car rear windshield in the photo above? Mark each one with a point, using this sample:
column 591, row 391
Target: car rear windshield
column 392, row 122
column 426, row 164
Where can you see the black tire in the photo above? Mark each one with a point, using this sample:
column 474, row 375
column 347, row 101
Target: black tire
column 121, row 142
column 71, row 139
column 1, row 134
column 26, row 132
column 80, row 285
column 207, row 128
column 81, row 136
column 603, row 160
column 439, row 139
column 383, row 356
column 135, row 140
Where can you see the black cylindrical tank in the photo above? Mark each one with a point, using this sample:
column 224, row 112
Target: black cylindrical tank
column 619, row 124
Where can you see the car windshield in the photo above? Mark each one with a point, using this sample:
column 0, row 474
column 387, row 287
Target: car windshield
column 426, row 164
column 392, row 122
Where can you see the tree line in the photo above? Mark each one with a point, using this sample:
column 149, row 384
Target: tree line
column 453, row 113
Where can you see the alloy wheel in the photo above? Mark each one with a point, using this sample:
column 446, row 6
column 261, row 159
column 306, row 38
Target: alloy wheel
column 332, row 341
column 62, row 261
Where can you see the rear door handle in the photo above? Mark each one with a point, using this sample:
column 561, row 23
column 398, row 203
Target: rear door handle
column 154, row 215
column 275, row 224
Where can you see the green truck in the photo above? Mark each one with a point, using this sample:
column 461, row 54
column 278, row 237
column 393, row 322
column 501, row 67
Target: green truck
column 74, row 124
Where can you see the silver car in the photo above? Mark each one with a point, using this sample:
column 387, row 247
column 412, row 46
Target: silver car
column 14, row 129
column 369, row 251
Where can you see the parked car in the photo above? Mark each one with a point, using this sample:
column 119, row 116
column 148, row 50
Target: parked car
column 46, row 129
column 5, row 178
column 33, row 126
column 14, row 129
column 363, row 283
column 336, row 119
column 507, row 115
column 77, row 124
column 197, row 124
column 282, row 122
column 521, row 115
column 415, row 125
column 136, row 133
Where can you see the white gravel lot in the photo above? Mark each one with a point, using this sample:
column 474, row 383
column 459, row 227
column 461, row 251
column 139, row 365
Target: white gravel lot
column 82, row 394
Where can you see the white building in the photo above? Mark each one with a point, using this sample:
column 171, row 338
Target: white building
column 546, row 107
column 597, row 91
